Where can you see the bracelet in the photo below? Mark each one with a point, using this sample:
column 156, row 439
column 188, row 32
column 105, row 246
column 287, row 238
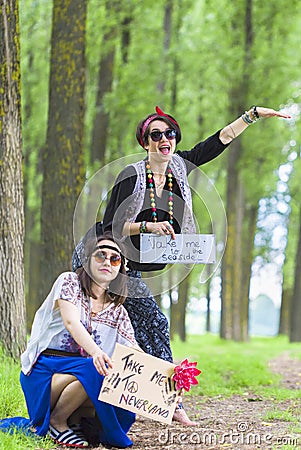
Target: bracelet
column 255, row 113
column 246, row 118
column 143, row 227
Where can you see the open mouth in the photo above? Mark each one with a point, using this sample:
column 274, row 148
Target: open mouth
column 165, row 149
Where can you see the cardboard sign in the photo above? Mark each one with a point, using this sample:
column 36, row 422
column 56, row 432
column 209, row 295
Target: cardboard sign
column 185, row 249
column 140, row 383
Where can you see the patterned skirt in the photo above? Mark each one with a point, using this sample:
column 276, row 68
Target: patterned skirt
column 149, row 323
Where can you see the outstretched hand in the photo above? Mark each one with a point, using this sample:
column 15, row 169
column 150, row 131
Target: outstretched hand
column 268, row 112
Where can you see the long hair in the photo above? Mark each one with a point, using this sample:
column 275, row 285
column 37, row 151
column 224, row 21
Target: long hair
column 117, row 290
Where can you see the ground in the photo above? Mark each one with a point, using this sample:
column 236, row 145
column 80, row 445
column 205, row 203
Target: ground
column 239, row 422
column 242, row 422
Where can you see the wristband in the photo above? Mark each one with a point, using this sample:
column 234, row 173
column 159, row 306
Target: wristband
column 246, row 118
column 143, row 227
column 255, row 113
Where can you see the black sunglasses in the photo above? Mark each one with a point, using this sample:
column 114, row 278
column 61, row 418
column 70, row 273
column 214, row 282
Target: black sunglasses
column 101, row 256
column 157, row 135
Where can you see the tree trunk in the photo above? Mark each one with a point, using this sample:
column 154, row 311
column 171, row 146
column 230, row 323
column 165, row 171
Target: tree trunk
column 295, row 312
column 237, row 266
column 229, row 262
column 284, row 323
column 208, row 314
column 12, row 301
column 167, row 26
column 63, row 160
column 232, row 321
column 248, row 244
column 105, row 80
column 182, row 304
column 178, row 309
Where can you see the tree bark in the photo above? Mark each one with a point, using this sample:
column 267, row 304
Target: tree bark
column 105, row 80
column 295, row 312
column 234, row 312
column 167, row 26
column 248, row 245
column 63, row 173
column 284, row 323
column 12, row 301
column 229, row 262
column 178, row 309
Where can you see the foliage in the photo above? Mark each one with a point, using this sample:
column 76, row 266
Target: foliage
column 201, row 70
column 35, row 29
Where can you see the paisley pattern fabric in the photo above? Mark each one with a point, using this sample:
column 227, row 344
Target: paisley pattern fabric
column 150, row 324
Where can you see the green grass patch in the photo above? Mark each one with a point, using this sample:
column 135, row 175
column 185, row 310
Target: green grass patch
column 19, row 441
column 230, row 368
column 286, row 447
column 288, row 415
column 12, row 400
column 13, row 404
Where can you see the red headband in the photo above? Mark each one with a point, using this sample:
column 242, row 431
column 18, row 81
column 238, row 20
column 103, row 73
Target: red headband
column 159, row 114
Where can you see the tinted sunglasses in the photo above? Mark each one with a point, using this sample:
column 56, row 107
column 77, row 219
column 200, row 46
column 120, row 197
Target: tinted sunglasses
column 100, row 257
column 157, row 135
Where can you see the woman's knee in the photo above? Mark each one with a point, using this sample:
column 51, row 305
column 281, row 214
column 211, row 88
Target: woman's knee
column 61, row 380
column 59, row 383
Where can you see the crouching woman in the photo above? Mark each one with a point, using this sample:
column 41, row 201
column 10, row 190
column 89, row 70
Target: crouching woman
column 73, row 337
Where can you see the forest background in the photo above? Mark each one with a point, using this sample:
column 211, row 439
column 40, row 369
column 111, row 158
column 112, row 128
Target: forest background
column 76, row 77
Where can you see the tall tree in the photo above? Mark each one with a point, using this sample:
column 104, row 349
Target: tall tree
column 105, row 81
column 35, row 27
column 232, row 287
column 251, row 159
column 295, row 304
column 62, row 159
column 292, row 285
column 12, row 304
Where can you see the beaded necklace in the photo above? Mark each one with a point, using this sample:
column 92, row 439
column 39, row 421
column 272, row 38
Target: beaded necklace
column 150, row 179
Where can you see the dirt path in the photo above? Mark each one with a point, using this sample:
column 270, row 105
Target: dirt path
column 239, row 422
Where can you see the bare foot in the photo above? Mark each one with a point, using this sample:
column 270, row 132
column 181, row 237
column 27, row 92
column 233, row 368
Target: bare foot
column 180, row 416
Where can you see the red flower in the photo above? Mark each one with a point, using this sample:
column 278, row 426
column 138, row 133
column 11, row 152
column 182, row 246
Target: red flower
column 184, row 375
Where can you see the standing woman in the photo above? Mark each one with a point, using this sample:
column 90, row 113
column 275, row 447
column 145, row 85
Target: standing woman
column 153, row 196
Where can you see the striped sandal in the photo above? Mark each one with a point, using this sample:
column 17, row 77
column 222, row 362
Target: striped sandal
column 78, row 430
column 67, row 438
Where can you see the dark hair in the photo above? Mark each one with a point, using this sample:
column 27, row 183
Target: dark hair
column 117, row 290
column 78, row 254
column 142, row 134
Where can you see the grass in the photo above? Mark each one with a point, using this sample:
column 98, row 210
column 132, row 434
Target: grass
column 228, row 368
column 287, row 415
column 13, row 404
column 21, row 442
